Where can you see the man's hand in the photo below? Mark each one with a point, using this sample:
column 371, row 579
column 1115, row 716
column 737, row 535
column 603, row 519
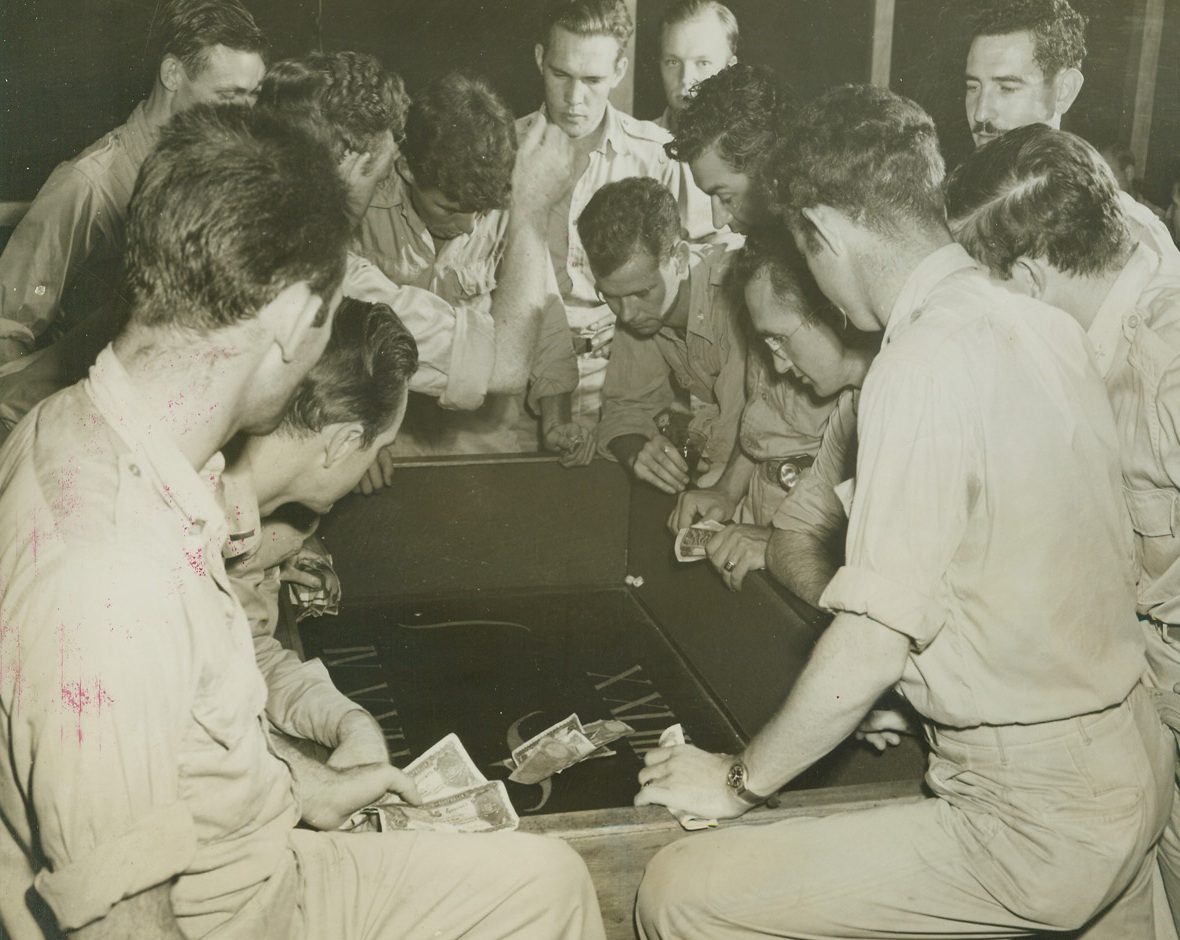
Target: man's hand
column 359, row 741
column 544, row 169
column 660, row 464
column 737, row 550
column 883, row 727
column 600, row 343
column 282, row 539
column 311, row 567
column 686, row 778
column 695, row 505
column 379, row 475
column 574, row 442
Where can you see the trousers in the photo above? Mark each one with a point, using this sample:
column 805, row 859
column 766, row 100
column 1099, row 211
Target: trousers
column 1046, row 827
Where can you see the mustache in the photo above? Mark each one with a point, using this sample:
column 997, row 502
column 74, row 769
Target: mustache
column 985, row 127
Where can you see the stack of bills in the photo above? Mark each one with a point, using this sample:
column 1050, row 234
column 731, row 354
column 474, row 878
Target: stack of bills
column 456, row 797
column 564, row 744
column 691, row 541
column 310, row 602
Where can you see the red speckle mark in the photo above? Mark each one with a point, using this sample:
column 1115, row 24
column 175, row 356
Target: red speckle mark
column 66, row 501
column 196, row 560
column 79, row 699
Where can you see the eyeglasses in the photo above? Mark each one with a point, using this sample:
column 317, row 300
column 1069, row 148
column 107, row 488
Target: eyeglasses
column 777, row 342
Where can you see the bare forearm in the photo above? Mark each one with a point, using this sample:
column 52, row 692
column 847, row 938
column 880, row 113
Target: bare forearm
column 803, row 560
column 520, row 298
column 145, row 916
column 853, row 664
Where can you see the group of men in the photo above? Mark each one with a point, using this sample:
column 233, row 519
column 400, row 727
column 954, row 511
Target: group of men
column 941, row 409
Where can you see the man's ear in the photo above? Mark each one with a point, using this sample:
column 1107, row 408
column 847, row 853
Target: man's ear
column 732, row 61
column 682, row 256
column 1028, row 276
column 172, row 72
column 539, row 55
column 1069, row 86
column 291, row 316
column 620, row 71
column 341, row 441
column 825, row 223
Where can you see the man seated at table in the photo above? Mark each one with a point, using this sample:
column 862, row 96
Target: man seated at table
column 725, row 133
column 680, row 338
column 1024, row 66
column 441, row 222
column 71, row 239
column 348, row 407
column 988, row 579
column 1042, row 210
column 158, row 808
column 809, row 345
column 581, row 54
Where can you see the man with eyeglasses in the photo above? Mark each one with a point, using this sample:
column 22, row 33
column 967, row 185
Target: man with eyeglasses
column 680, row 335
column 802, row 388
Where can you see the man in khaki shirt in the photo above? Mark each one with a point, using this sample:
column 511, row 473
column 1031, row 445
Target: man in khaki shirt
column 1042, row 210
column 987, row 579
column 210, row 51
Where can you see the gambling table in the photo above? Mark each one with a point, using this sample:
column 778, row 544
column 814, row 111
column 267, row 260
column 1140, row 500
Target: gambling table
column 489, row 598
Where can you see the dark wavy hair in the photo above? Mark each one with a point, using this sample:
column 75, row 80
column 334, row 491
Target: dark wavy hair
column 233, row 205
column 1039, row 193
column 350, row 92
column 461, row 140
column 362, row 375
column 741, row 110
column 632, row 215
column 866, row 151
column 771, row 247
column 188, row 29
column 1058, row 30
column 587, row 18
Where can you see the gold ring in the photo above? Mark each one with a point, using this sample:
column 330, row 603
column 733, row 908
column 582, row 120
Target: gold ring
column 730, row 565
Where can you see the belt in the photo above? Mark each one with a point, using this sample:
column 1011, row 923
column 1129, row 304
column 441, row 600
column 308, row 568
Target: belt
column 784, row 472
column 1169, row 631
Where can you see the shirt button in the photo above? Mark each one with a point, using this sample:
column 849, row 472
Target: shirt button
column 1132, row 321
column 134, row 468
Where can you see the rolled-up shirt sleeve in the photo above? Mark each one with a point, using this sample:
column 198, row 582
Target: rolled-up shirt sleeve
column 456, row 345
column 61, row 229
column 909, row 514
column 105, row 777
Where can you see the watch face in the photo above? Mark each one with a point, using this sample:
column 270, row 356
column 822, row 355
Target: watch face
column 736, row 778
column 788, row 476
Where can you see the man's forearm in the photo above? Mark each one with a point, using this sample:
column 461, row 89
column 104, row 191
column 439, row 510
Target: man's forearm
column 520, row 298
column 803, row 560
column 735, row 479
column 853, row 664
column 145, row 916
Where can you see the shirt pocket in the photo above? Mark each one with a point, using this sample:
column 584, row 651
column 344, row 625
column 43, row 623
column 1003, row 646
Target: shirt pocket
column 1153, row 512
column 476, row 278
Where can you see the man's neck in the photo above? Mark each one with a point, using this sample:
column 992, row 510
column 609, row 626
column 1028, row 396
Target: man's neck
column 158, row 108
column 1082, row 296
column 190, row 391
column 887, row 264
column 677, row 318
column 268, row 475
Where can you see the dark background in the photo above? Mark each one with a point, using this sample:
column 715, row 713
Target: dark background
column 70, row 70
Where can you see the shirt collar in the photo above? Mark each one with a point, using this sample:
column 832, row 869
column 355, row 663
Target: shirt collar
column 188, row 491
column 139, row 135
column 614, row 139
column 1122, row 298
column 931, row 270
column 706, row 276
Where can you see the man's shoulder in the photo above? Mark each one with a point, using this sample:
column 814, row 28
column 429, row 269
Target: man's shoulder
column 647, row 132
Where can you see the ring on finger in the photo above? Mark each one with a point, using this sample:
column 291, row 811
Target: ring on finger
column 730, row 565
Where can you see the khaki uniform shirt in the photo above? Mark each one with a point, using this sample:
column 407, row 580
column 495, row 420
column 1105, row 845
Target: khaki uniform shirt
column 76, row 223
column 463, row 272
column 988, row 524
column 706, row 360
column 132, row 706
column 1146, row 228
column 1136, row 336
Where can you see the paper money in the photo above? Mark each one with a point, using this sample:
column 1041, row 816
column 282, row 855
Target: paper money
column 674, row 734
column 564, row 744
column 456, row 797
column 444, row 770
column 485, row 808
column 691, row 541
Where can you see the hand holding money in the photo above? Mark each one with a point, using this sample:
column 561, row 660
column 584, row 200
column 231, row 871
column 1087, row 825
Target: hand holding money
column 674, row 734
column 692, row 541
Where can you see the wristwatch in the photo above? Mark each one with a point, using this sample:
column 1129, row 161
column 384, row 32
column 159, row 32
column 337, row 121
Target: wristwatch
column 736, row 781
